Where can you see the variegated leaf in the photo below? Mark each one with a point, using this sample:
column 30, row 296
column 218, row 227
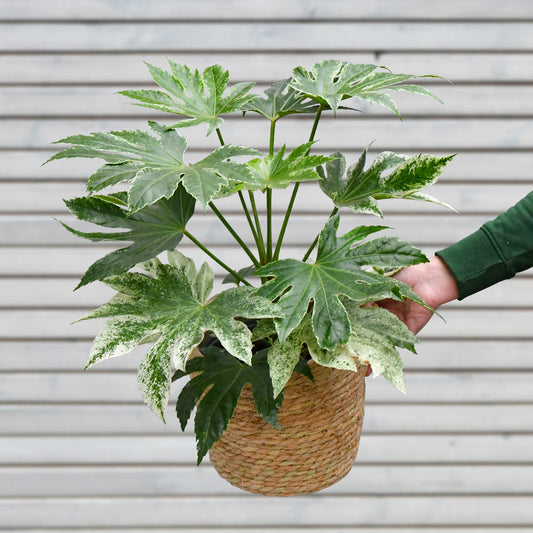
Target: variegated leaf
column 177, row 314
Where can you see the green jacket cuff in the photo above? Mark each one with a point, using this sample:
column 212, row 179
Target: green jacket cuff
column 475, row 263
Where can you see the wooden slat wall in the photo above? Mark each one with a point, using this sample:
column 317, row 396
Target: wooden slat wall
column 79, row 451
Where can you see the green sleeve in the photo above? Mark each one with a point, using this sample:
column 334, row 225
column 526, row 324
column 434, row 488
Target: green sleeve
column 497, row 251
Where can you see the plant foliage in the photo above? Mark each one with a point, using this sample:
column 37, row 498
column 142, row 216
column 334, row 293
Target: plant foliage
column 202, row 97
column 337, row 271
column 224, row 377
column 281, row 313
column 172, row 306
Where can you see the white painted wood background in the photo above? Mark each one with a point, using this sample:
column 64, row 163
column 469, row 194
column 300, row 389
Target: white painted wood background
column 78, row 450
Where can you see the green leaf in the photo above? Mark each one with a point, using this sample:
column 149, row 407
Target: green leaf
column 202, row 97
column 283, row 359
column 330, row 81
column 170, row 304
column 389, row 176
column 152, row 230
column 154, row 376
column 375, row 334
column 155, row 166
column 168, row 307
column 216, row 389
column 263, row 329
column 274, row 172
column 387, row 253
column 245, row 272
column 281, row 100
column 336, row 272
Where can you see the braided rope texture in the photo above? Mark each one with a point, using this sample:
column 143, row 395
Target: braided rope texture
column 321, row 425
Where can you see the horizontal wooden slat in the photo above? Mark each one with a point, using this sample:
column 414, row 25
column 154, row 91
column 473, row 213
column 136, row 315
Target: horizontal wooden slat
column 42, row 197
column 497, row 166
column 225, row 36
column 167, row 480
column 311, row 511
column 178, row 449
column 460, row 323
column 54, row 293
column 73, row 262
column 295, row 529
column 486, row 101
column 392, row 418
column 241, row 9
column 389, row 134
column 441, row 354
column 442, row 387
column 437, row 229
column 291, row 529
column 255, row 65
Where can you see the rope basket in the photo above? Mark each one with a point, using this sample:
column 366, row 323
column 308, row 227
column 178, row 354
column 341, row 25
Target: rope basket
column 321, row 424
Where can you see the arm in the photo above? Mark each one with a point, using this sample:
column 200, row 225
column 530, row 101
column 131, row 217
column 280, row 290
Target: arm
column 497, row 251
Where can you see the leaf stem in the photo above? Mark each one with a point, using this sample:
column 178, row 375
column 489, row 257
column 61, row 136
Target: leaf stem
column 258, row 243
column 314, row 243
column 234, row 234
column 256, row 235
column 219, row 134
column 295, row 190
column 262, row 251
column 269, row 194
column 215, row 258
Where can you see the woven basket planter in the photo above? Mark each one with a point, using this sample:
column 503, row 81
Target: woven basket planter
column 321, row 424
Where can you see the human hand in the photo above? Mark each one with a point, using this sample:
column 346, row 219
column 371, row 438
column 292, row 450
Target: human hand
column 433, row 282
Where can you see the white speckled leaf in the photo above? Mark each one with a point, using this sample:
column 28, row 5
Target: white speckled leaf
column 390, row 175
column 282, row 358
column 375, row 334
column 155, row 375
column 118, row 337
column 341, row 357
column 177, row 259
column 168, row 306
column 381, row 355
column 201, row 96
column 203, row 283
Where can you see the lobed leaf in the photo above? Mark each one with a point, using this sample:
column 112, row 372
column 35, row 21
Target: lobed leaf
column 155, row 166
column 329, row 82
column 174, row 310
column 375, row 334
column 276, row 172
column 336, row 273
column 215, row 389
column 201, row 96
column 389, row 176
column 281, row 100
column 152, row 230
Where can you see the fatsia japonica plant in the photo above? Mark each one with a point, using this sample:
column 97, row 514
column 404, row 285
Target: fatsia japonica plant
column 281, row 312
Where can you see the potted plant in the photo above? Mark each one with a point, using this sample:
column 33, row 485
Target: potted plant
column 281, row 354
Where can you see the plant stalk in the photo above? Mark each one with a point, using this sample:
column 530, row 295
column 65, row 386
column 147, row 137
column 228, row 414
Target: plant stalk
column 269, row 194
column 219, row 134
column 295, row 190
column 256, row 235
column 234, row 234
column 258, row 243
column 236, row 275
column 262, row 251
